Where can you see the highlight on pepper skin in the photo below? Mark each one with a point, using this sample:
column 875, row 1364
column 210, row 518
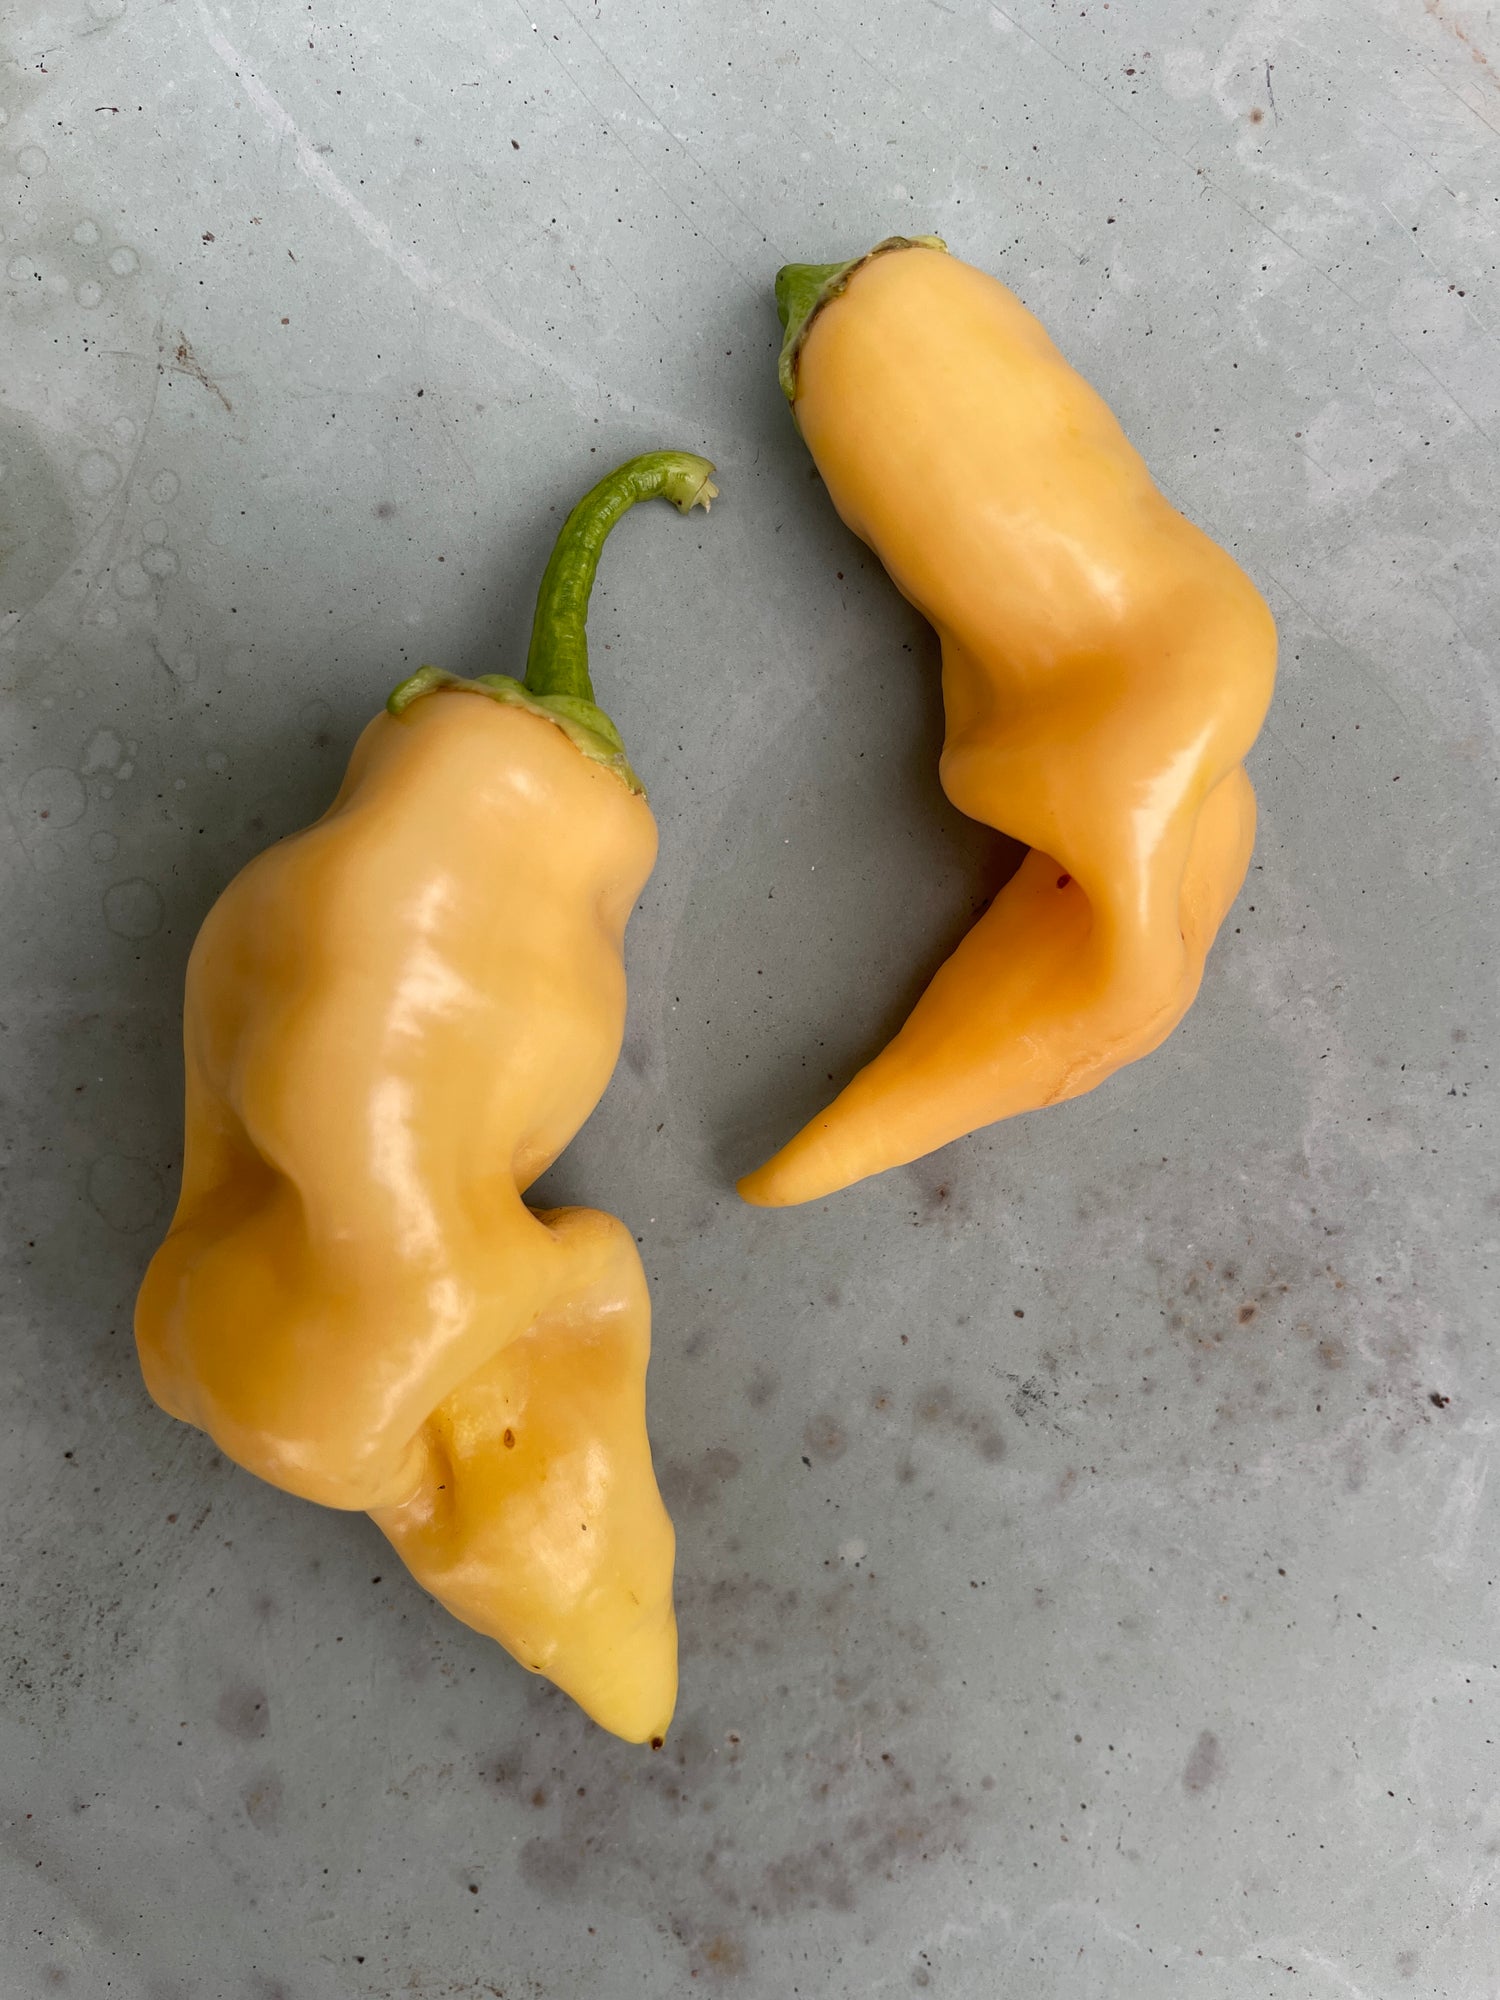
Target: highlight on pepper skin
column 1105, row 669
column 396, row 1020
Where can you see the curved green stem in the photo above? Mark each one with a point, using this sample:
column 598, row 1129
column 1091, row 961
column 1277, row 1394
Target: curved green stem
column 802, row 291
column 557, row 662
column 557, row 684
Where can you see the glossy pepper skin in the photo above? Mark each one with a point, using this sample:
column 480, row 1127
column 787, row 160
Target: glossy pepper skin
column 395, row 1021
column 1105, row 669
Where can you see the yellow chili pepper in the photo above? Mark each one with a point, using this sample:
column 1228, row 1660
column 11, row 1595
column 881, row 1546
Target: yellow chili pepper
column 395, row 1021
column 1105, row 669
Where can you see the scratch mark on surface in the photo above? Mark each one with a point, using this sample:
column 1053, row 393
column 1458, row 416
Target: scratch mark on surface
column 896, row 89
column 1347, row 646
column 101, row 547
column 1453, row 1532
column 1258, row 220
column 1405, row 46
column 1335, row 1970
column 1270, row 92
column 615, row 70
column 587, row 390
column 185, row 362
column 1488, row 332
column 1473, row 109
column 1461, row 35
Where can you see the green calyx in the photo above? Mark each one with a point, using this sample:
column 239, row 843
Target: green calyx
column 557, row 684
column 584, row 723
column 802, row 291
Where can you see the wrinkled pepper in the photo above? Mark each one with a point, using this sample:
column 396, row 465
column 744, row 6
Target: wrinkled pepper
column 396, row 1020
column 1106, row 668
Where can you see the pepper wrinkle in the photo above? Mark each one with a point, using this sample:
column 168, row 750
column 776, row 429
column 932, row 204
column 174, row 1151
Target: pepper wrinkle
column 1106, row 668
column 394, row 1021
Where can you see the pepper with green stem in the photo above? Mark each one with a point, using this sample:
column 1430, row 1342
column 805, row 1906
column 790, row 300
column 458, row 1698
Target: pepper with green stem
column 395, row 1021
column 557, row 682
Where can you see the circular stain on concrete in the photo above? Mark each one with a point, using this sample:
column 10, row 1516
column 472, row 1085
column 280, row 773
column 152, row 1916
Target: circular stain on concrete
column 53, row 797
column 98, row 474
column 133, row 909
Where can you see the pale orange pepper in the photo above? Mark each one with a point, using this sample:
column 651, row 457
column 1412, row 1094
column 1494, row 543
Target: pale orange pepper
column 394, row 1022
column 1105, row 669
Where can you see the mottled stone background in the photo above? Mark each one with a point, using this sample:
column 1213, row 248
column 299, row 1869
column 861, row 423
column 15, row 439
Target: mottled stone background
column 1087, row 1562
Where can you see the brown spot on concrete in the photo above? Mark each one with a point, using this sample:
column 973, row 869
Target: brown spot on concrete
column 1461, row 35
column 935, row 1406
column 726, row 1955
column 825, row 1439
column 263, row 1801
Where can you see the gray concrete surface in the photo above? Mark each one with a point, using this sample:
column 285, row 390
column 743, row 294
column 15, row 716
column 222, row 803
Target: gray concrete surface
column 1088, row 1570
